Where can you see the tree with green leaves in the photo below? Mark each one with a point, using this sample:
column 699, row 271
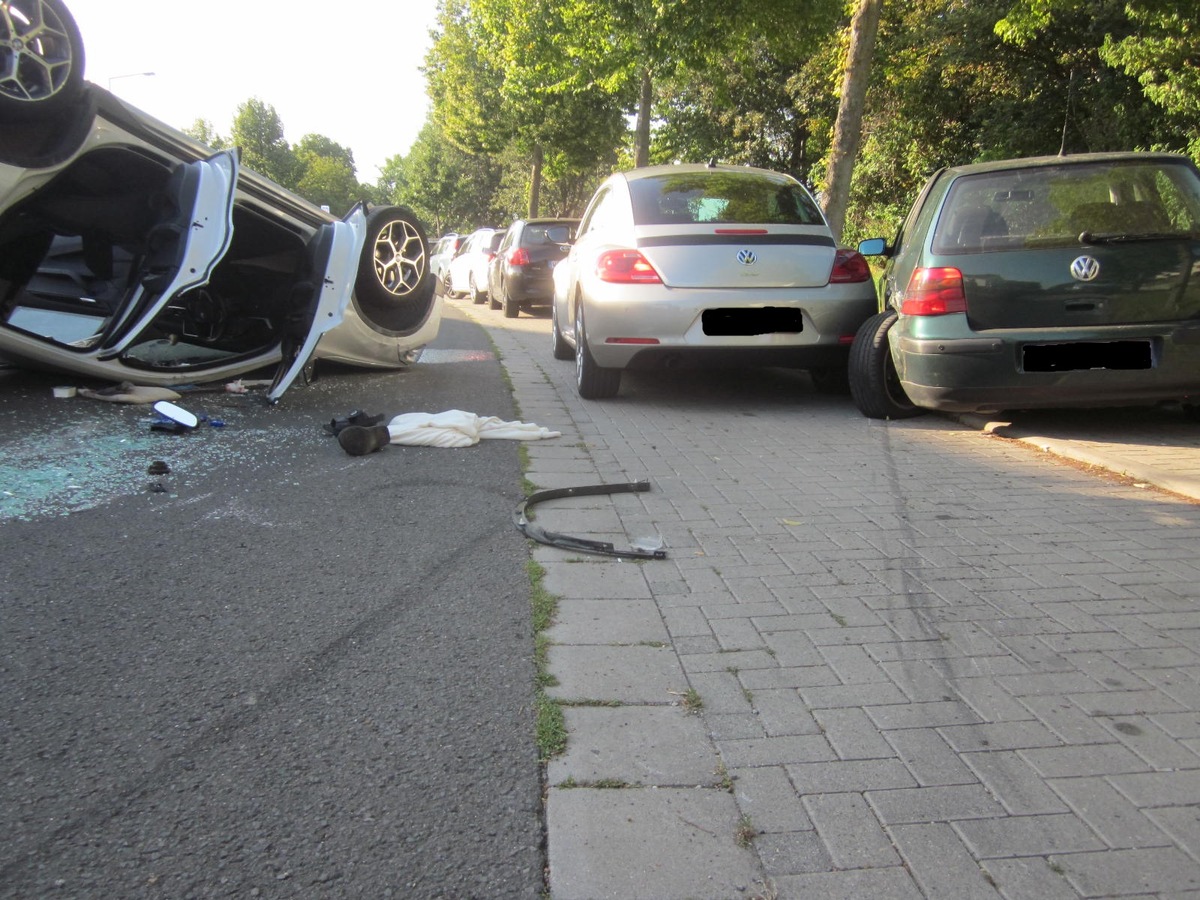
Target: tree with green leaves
column 327, row 181
column 501, row 82
column 203, row 131
column 1163, row 54
column 448, row 188
column 258, row 133
column 952, row 84
column 324, row 173
column 320, row 145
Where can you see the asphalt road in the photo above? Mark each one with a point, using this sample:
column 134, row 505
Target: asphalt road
column 290, row 673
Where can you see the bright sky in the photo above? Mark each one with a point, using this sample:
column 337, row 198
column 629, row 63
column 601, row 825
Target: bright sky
column 347, row 69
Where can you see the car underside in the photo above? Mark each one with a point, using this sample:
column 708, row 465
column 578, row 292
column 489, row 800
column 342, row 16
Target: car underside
column 130, row 251
column 72, row 255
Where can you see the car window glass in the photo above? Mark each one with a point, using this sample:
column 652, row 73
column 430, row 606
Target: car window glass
column 558, row 234
column 923, row 210
column 509, row 237
column 1053, row 205
column 722, row 197
column 600, row 213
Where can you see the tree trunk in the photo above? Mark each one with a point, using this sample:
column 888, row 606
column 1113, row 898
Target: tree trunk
column 535, row 182
column 641, row 151
column 847, row 133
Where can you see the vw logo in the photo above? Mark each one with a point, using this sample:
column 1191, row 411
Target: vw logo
column 1085, row 268
column 747, row 257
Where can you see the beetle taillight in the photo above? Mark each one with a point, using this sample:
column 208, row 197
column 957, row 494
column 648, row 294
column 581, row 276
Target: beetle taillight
column 934, row 292
column 849, row 267
column 626, row 267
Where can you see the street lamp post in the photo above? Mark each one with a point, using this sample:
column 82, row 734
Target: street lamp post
column 127, row 75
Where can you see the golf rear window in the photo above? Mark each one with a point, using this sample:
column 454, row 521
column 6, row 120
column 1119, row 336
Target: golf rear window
column 1054, row 205
column 720, row 197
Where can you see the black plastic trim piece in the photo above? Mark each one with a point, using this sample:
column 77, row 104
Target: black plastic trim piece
column 583, row 545
column 699, row 240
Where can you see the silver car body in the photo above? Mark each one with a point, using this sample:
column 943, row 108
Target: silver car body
column 725, row 291
column 131, row 252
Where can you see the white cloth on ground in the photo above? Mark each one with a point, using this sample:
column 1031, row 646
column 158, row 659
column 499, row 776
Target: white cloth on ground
column 455, row 428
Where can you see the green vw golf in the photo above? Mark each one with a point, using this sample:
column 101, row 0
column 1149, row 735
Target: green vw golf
column 1047, row 282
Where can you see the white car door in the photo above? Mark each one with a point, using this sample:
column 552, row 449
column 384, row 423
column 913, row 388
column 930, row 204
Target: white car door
column 341, row 243
column 191, row 241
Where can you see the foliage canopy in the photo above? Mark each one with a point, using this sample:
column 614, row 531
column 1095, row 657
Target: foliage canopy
column 542, row 98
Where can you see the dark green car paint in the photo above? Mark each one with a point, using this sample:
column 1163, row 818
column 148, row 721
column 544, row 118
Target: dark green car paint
column 1033, row 335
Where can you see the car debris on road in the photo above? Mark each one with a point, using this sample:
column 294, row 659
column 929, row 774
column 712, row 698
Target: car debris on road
column 453, row 428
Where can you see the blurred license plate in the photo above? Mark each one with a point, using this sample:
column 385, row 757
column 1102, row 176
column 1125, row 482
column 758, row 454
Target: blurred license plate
column 1074, row 356
column 744, row 322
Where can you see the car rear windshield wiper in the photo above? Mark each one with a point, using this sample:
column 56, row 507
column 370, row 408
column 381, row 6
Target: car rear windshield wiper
column 1121, row 237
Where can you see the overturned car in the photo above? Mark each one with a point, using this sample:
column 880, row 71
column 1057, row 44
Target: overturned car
column 131, row 252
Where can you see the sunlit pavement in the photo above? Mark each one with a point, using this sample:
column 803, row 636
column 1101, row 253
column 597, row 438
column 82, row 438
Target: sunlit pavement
column 882, row 659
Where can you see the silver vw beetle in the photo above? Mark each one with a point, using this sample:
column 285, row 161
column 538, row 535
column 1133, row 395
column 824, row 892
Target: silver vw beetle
column 706, row 265
column 130, row 252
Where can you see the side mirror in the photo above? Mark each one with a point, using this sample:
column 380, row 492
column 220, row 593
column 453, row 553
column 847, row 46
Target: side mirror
column 873, row 247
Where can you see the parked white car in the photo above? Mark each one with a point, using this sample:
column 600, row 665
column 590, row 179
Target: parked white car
column 131, row 252
column 439, row 258
column 468, row 275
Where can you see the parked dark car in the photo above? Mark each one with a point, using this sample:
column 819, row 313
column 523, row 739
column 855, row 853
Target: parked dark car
column 1069, row 281
column 131, row 252
column 520, row 276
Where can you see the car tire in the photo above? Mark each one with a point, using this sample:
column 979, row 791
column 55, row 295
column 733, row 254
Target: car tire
column 32, row 90
column 874, row 384
column 394, row 287
column 558, row 344
column 477, row 296
column 512, row 308
column 832, row 380
column 592, row 381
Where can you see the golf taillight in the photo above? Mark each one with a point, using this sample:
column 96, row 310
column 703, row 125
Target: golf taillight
column 519, row 257
column 934, row 292
column 625, row 267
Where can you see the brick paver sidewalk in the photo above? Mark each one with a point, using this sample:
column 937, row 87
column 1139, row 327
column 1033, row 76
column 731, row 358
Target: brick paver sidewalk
column 928, row 662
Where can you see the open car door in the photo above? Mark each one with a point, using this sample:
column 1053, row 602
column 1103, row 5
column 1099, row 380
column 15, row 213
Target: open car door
column 335, row 251
column 184, row 247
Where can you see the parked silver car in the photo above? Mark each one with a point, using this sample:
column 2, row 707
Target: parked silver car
column 131, row 252
column 706, row 265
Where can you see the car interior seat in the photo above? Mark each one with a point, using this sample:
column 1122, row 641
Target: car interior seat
column 1145, row 216
column 972, row 224
column 674, row 210
column 1100, row 218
